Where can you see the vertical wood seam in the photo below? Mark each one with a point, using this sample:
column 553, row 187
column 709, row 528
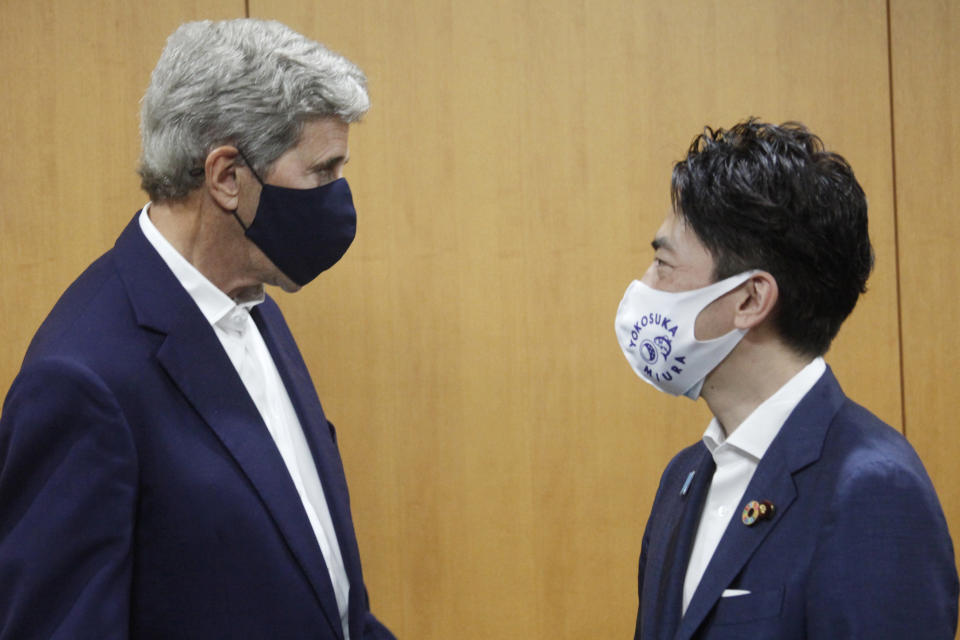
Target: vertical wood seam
column 896, row 221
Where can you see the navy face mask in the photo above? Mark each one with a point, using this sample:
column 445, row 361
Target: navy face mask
column 303, row 231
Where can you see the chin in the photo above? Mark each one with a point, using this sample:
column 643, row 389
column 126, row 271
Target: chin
column 288, row 285
column 276, row 278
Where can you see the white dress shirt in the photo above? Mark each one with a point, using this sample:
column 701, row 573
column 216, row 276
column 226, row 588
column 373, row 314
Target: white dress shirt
column 736, row 459
column 238, row 333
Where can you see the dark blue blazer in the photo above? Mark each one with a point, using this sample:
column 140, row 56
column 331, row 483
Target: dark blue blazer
column 857, row 548
column 141, row 495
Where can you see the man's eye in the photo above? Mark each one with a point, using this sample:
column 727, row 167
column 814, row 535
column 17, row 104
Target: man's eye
column 325, row 176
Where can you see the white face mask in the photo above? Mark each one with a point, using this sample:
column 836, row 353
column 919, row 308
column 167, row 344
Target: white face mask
column 655, row 329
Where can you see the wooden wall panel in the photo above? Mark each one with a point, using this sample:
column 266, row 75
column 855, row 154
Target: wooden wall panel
column 501, row 454
column 926, row 91
column 73, row 74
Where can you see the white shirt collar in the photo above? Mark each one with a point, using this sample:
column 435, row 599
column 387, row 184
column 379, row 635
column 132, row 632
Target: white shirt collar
column 756, row 433
column 217, row 307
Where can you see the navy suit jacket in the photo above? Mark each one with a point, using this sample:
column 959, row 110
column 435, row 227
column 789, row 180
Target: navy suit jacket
column 141, row 495
column 857, row 547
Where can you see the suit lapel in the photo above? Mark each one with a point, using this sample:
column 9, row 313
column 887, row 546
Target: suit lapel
column 771, row 482
column 798, row 445
column 303, row 395
column 195, row 360
column 296, row 378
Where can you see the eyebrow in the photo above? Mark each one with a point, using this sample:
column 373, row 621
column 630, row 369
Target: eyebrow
column 661, row 242
column 330, row 163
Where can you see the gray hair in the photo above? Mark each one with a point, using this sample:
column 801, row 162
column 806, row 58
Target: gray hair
column 248, row 83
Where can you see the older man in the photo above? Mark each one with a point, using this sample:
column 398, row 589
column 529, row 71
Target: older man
column 800, row 514
column 166, row 470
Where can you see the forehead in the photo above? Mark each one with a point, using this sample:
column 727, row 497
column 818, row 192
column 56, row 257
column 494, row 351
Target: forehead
column 323, row 135
column 322, row 146
column 676, row 236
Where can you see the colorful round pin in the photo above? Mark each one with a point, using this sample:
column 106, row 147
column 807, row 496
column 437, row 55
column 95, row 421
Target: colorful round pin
column 751, row 513
column 756, row 510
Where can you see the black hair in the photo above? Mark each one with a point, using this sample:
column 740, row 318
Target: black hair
column 763, row 196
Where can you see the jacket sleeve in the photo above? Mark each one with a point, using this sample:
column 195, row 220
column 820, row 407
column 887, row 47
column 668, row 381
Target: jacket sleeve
column 67, row 504
column 884, row 566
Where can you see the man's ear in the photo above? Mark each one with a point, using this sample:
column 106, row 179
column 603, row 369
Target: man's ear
column 759, row 302
column 220, row 168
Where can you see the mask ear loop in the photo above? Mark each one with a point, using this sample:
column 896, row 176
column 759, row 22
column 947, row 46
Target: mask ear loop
column 249, row 166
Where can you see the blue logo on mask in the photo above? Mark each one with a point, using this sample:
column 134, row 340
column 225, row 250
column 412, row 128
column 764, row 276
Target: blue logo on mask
column 658, row 347
column 648, row 352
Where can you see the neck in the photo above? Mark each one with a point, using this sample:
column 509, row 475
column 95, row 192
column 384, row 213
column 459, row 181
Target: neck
column 755, row 370
column 209, row 240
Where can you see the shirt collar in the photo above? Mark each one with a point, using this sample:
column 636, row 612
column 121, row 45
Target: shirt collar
column 755, row 434
column 215, row 305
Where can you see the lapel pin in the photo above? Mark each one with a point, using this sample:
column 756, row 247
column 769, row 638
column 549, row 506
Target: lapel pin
column 686, row 483
column 757, row 510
